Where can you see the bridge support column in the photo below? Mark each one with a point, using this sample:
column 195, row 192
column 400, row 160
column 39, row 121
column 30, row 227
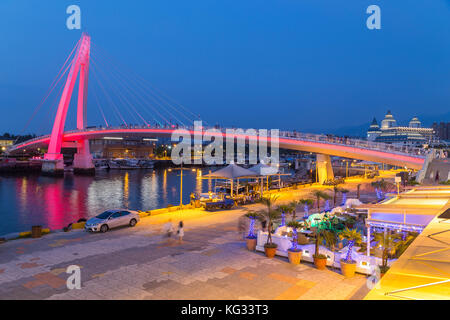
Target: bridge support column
column 324, row 168
column 82, row 162
column 53, row 166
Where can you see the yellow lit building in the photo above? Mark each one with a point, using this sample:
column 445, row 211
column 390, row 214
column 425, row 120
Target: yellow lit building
column 423, row 270
column 4, row 143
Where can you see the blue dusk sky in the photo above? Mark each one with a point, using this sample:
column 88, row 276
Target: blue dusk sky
column 309, row 65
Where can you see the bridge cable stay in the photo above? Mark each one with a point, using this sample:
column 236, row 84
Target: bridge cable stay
column 54, row 83
column 116, row 112
column 148, row 89
column 121, row 96
column 113, row 90
column 109, row 98
column 104, row 94
column 120, row 75
column 137, row 94
column 153, row 98
column 143, row 102
column 50, row 115
column 100, row 107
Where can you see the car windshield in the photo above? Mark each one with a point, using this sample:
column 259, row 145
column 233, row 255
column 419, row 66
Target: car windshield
column 104, row 215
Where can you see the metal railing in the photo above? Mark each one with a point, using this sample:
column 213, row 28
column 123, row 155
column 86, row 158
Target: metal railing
column 364, row 144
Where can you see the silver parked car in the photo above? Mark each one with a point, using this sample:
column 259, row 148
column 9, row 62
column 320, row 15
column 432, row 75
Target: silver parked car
column 111, row 219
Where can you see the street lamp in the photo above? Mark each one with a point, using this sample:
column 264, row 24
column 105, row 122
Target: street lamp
column 181, row 183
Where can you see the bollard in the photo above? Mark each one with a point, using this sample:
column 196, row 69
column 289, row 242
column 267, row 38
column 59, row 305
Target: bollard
column 36, row 231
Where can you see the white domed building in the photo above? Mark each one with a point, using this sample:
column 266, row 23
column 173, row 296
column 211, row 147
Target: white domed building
column 390, row 132
column 374, row 130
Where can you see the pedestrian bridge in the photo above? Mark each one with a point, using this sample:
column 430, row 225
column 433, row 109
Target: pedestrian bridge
column 409, row 157
column 138, row 98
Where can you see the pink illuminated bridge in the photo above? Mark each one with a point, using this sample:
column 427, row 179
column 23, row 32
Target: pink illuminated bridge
column 409, row 157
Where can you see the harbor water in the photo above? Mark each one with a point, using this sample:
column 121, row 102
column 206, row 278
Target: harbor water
column 55, row 202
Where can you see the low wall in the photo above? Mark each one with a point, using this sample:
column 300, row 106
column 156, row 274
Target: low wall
column 364, row 264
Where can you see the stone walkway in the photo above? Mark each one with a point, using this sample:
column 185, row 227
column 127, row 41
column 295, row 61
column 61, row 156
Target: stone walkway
column 140, row 263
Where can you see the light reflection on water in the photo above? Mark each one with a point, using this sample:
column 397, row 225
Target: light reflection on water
column 56, row 202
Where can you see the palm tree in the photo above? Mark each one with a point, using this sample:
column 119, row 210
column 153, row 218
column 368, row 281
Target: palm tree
column 358, row 187
column 336, row 190
column 284, row 209
column 344, row 195
column 389, row 244
column 382, row 184
column 318, row 194
column 320, row 235
column 335, row 184
column 353, row 236
column 253, row 216
column 293, row 207
column 330, row 238
column 270, row 213
column 294, row 225
column 404, row 243
column 306, row 203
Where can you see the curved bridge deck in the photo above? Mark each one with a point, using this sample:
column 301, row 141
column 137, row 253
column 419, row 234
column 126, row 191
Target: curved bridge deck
column 403, row 156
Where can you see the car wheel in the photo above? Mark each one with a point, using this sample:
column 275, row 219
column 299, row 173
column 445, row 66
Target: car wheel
column 133, row 222
column 104, row 228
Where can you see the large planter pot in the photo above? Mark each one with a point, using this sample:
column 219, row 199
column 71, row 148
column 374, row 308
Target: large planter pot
column 348, row 268
column 320, row 263
column 383, row 271
column 270, row 251
column 295, row 256
column 251, row 244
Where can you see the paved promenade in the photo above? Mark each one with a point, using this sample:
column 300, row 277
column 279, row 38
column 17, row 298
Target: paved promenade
column 140, row 263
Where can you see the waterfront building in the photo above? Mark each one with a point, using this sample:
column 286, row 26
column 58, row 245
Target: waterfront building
column 374, row 130
column 442, row 130
column 390, row 132
column 118, row 147
column 6, row 142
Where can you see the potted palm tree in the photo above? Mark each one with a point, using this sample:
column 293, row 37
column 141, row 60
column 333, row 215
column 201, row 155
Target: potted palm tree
column 251, row 237
column 319, row 194
column 294, row 252
column 320, row 260
column 329, row 235
column 348, row 265
column 270, row 214
column 388, row 243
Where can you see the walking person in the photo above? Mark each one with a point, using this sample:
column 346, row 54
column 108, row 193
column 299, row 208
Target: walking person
column 168, row 229
column 241, row 226
column 180, row 232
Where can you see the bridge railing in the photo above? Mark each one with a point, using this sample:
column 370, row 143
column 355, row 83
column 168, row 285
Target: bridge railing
column 371, row 145
column 365, row 144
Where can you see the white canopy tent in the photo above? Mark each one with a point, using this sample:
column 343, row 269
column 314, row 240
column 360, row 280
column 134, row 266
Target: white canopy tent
column 264, row 170
column 231, row 172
